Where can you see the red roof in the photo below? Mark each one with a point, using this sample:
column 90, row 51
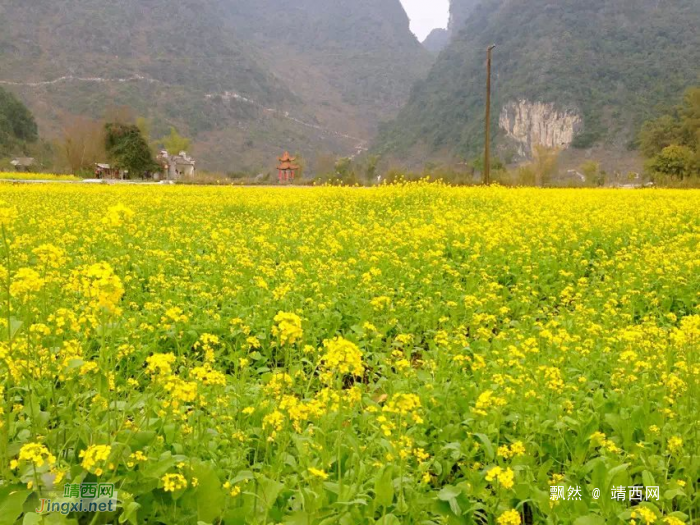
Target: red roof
column 286, row 157
column 286, row 162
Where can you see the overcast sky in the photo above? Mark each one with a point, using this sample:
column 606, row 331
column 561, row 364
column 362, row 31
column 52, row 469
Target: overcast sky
column 426, row 15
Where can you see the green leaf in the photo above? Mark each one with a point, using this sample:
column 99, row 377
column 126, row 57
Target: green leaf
column 143, row 438
column 58, row 519
column 615, row 471
column 210, row 496
column 648, row 479
column 15, row 325
column 670, row 494
column 31, row 518
column 298, row 518
column 449, row 492
column 450, row 495
column 242, row 476
column 130, row 513
column 384, row 488
column 488, row 447
column 389, row 519
column 523, row 490
column 11, row 504
column 591, row 519
column 268, row 491
column 160, row 467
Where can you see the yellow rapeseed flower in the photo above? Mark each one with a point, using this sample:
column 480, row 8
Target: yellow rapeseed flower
column 318, row 473
column 35, row 453
column 509, row 517
column 342, row 357
column 173, row 482
column 287, row 328
column 94, row 455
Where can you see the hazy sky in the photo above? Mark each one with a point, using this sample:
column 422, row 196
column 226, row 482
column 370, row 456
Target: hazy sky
column 426, row 15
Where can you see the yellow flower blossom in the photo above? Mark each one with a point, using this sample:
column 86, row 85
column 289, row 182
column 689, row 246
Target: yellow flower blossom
column 94, row 456
column 173, row 482
column 342, row 356
column 645, row 514
column 287, row 328
column 509, row 517
column 34, row 453
column 318, row 473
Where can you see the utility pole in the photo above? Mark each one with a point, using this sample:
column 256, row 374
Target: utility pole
column 487, row 135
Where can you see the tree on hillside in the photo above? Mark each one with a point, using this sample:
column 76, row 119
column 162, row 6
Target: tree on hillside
column 144, row 124
column 592, row 172
column 674, row 161
column 541, row 170
column 672, row 142
column 658, row 134
column 345, row 171
column 83, row 144
column 128, row 149
column 371, row 166
column 175, row 143
column 17, row 124
column 690, row 120
column 545, row 162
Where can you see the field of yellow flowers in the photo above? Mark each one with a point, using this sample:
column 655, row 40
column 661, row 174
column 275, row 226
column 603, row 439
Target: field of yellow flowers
column 21, row 176
column 409, row 354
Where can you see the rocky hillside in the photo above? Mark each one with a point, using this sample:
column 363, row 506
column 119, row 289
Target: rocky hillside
column 460, row 11
column 245, row 78
column 437, row 40
column 354, row 58
column 566, row 73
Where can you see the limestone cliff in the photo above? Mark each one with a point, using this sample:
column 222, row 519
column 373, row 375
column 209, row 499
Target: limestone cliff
column 531, row 124
column 460, row 10
column 437, row 40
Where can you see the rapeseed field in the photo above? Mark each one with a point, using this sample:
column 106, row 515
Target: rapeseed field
column 37, row 176
column 409, row 354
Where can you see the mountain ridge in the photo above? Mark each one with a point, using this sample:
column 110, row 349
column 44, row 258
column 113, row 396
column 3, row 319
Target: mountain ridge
column 614, row 63
column 230, row 80
column 437, row 40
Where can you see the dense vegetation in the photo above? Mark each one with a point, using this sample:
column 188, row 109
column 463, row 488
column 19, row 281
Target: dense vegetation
column 616, row 62
column 128, row 150
column 17, row 125
column 404, row 355
column 672, row 142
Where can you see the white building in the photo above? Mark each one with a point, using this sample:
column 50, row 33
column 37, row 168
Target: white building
column 176, row 167
column 23, row 163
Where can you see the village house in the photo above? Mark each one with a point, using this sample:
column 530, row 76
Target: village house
column 105, row 171
column 23, row 163
column 176, row 167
